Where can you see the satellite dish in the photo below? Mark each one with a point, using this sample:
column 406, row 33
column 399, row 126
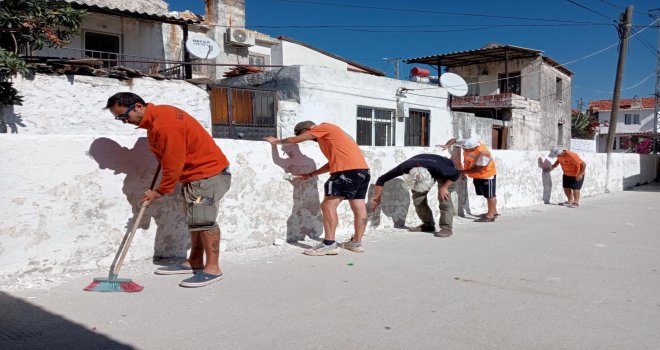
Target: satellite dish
column 454, row 84
column 202, row 47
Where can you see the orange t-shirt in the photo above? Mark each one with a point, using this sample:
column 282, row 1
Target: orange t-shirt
column 570, row 163
column 184, row 148
column 340, row 149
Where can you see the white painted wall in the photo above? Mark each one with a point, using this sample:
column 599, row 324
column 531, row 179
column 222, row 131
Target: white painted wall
column 289, row 54
column 582, row 145
column 74, row 218
column 645, row 120
column 137, row 38
column 73, row 105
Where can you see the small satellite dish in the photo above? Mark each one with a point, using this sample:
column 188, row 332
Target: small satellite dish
column 454, row 84
column 202, row 47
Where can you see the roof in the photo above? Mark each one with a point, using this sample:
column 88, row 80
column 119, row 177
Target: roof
column 154, row 10
column 360, row 66
column 625, row 103
column 489, row 53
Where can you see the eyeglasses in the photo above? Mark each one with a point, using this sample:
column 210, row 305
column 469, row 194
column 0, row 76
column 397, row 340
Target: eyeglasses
column 124, row 115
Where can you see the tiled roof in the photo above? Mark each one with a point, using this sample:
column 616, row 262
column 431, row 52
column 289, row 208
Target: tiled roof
column 625, row 103
column 156, row 10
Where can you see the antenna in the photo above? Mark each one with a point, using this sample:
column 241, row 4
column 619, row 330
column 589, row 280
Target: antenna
column 454, row 84
column 202, row 47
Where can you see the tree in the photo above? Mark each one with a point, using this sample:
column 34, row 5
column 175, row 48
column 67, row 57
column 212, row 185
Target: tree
column 31, row 24
column 583, row 126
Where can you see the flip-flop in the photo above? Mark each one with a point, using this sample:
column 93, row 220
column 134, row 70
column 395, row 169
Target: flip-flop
column 565, row 203
column 484, row 215
column 484, row 219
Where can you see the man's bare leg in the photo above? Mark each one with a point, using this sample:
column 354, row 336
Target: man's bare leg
column 360, row 217
column 196, row 259
column 211, row 242
column 492, row 207
column 330, row 217
column 569, row 195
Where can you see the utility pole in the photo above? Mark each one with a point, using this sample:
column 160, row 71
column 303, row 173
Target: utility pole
column 624, row 33
column 656, row 105
column 397, row 62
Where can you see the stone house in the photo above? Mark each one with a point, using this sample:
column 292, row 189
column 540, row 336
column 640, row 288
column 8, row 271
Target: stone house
column 523, row 93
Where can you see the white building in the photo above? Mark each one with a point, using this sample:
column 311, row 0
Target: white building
column 635, row 118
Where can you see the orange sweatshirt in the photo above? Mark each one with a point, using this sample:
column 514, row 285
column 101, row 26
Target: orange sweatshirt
column 184, row 148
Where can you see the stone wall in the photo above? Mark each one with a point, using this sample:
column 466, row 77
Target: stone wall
column 69, row 199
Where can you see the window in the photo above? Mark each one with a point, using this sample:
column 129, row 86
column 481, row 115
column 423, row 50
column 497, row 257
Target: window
column 243, row 113
column 257, row 60
column 417, row 128
column 559, row 90
column 103, row 46
column 631, row 119
column 375, row 127
column 514, row 83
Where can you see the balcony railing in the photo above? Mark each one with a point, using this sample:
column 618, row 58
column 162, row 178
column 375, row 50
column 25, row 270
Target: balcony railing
column 168, row 69
column 505, row 100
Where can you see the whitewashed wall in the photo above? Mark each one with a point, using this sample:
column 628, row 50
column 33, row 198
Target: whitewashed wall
column 73, row 105
column 581, row 145
column 69, row 199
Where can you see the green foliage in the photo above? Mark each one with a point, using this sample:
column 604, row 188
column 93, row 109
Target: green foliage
column 33, row 24
column 583, row 126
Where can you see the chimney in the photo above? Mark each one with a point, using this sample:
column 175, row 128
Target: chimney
column 225, row 13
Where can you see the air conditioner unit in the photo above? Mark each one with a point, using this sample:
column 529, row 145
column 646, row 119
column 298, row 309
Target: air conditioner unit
column 240, row 37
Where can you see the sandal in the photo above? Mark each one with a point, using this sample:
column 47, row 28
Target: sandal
column 484, row 215
column 565, row 203
column 484, row 219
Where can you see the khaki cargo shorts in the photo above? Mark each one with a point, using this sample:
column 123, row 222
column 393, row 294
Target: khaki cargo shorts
column 201, row 199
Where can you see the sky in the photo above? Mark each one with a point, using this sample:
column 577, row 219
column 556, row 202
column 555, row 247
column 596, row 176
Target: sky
column 367, row 31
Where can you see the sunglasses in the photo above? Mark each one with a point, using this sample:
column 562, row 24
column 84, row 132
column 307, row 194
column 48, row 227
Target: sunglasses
column 124, row 115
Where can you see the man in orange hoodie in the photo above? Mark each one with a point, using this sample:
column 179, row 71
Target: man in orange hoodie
column 187, row 154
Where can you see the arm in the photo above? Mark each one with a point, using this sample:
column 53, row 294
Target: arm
column 172, row 147
column 555, row 165
column 583, row 169
column 378, row 190
column 448, row 144
column 443, row 191
column 293, row 139
column 322, row 170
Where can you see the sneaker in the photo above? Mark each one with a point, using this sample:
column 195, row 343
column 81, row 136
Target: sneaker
column 352, row 246
column 322, row 249
column 200, row 279
column 444, row 232
column 422, row 228
column 177, row 269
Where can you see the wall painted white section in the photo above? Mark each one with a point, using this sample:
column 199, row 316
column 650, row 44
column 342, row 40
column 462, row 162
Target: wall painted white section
column 137, row 38
column 73, row 105
column 645, row 120
column 74, row 218
column 289, row 54
column 581, row 145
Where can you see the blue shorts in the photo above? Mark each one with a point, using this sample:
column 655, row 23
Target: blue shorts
column 350, row 184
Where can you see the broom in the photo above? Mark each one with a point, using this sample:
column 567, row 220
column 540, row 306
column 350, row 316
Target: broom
column 112, row 283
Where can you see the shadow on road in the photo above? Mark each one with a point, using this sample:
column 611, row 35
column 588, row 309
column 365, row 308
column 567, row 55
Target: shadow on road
column 25, row 326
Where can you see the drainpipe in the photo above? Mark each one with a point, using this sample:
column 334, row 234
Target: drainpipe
column 187, row 67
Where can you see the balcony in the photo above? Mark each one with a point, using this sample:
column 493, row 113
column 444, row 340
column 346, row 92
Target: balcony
column 505, row 100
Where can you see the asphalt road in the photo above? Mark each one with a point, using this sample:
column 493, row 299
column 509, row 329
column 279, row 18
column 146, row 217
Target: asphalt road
column 543, row 277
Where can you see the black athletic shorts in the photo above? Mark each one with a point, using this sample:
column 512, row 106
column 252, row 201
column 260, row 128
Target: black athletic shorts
column 485, row 187
column 350, row 184
column 571, row 182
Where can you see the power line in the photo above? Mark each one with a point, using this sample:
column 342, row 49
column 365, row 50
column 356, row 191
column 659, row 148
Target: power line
column 590, row 10
column 430, row 11
column 312, row 26
column 646, row 44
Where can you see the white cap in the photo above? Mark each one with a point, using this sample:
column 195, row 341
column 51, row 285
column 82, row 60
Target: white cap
column 556, row 151
column 419, row 179
column 468, row 143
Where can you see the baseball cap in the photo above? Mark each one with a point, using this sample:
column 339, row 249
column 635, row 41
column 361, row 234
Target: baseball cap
column 555, row 152
column 302, row 126
column 467, row 143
